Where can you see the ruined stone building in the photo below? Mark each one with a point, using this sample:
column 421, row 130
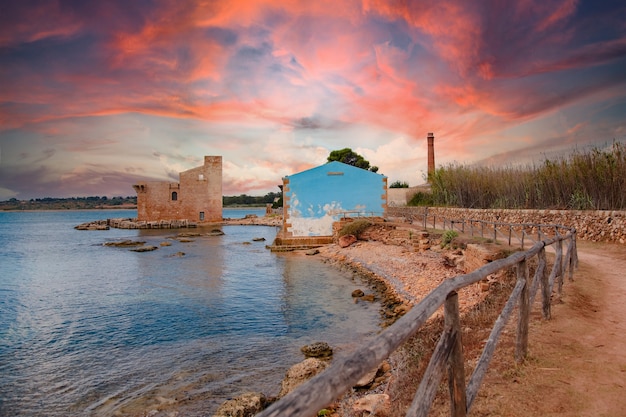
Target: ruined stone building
column 196, row 197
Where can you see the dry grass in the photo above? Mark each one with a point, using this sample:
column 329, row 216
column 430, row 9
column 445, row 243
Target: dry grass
column 412, row 359
column 582, row 181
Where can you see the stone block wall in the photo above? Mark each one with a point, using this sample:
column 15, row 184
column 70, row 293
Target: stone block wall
column 592, row 225
column 196, row 197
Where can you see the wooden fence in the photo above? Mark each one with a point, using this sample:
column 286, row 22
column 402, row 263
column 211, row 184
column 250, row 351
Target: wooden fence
column 343, row 374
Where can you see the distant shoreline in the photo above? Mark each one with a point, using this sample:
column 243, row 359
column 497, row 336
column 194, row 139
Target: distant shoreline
column 30, row 210
column 121, row 207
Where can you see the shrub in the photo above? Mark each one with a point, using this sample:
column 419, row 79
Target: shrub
column 399, row 184
column 447, row 237
column 355, row 227
column 421, row 199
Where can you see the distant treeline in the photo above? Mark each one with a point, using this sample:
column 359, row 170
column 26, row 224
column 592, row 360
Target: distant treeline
column 584, row 180
column 248, row 200
column 73, row 203
column 83, row 203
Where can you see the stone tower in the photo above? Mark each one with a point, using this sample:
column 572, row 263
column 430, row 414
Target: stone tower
column 431, row 154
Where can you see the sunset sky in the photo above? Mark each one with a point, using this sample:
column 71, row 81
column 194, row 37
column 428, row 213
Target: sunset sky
column 97, row 95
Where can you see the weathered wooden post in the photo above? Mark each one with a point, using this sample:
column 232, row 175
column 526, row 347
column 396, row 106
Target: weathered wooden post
column 521, row 346
column 545, row 286
column 456, row 367
column 559, row 274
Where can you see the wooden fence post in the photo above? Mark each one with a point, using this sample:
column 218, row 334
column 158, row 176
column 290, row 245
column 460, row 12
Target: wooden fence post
column 560, row 272
column 521, row 346
column 545, row 286
column 456, row 367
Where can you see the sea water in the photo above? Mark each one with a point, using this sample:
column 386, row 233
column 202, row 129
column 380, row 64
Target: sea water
column 88, row 329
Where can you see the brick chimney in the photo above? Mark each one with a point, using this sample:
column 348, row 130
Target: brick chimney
column 431, row 154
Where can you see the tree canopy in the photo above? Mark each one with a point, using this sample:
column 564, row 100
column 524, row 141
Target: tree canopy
column 348, row 156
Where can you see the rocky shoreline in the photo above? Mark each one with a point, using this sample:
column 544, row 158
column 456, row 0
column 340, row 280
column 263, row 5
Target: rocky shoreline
column 399, row 276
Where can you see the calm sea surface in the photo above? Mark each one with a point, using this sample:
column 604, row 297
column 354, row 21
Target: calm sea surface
column 91, row 330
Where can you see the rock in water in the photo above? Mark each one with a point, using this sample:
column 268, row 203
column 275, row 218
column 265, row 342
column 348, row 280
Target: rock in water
column 246, row 405
column 317, row 350
column 358, row 293
column 300, row 373
column 146, row 248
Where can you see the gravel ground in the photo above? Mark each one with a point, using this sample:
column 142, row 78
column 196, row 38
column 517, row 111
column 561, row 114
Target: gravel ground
column 410, row 274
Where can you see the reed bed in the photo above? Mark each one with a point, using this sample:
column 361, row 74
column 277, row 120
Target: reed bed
column 584, row 180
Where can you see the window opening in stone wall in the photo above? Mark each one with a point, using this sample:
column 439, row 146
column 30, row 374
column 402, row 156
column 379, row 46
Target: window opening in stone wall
column 201, row 215
column 201, row 177
column 174, row 196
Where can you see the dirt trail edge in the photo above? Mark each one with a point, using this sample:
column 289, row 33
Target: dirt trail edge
column 577, row 360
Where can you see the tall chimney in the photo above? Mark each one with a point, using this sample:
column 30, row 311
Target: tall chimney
column 431, row 154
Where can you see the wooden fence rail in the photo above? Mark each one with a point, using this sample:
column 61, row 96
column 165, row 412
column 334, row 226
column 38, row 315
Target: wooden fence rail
column 344, row 372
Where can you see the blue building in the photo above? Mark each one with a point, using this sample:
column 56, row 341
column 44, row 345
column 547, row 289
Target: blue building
column 314, row 199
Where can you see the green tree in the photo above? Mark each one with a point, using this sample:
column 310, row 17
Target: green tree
column 399, row 184
column 348, row 156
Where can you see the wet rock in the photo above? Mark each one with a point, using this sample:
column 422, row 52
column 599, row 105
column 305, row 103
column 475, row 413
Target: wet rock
column 258, row 239
column 358, row 293
column 147, row 248
column 215, row 232
column 246, row 405
column 97, row 225
column 312, row 252
column 166, row 243
column 189, row 234
column 300, row 373
column 317, row 350
column 124, row 243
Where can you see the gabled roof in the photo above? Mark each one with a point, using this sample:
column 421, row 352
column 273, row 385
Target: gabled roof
column 335, row 166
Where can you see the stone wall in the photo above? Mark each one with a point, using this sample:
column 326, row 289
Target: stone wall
column 591, row 225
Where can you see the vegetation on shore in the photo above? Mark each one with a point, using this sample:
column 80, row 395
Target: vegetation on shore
column 96, row 202
column 73, row 203
column 591, row 180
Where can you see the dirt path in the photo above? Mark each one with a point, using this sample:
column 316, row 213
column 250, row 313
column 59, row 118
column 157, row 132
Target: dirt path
column 577, row 363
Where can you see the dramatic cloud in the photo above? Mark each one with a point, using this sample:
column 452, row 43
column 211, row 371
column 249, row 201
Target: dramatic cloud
column 97, row 95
